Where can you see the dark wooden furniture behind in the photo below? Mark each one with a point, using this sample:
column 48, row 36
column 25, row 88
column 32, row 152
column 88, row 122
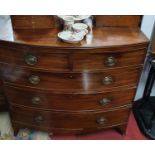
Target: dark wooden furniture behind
column 118, row 21
column 3, row 103
column 34, row 22
column 72, row 88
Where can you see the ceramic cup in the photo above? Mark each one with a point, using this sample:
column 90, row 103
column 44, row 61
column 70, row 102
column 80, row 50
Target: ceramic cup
column 68, row 22
column 80, row 28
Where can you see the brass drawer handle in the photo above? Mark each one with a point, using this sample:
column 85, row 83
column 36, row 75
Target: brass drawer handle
column 31, row 59
column 110, row 61
column 104, row 101
column 39, row 119
column 107, row 80
column 36, row 100
column 101, row 120
column 34, row 79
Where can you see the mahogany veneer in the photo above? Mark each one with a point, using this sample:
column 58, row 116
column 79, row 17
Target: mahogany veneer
column 72, row 88
column 71, row 82
column 75, row 102
column 74, row 120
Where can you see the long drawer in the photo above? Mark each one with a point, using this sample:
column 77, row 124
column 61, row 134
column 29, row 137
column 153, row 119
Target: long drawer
column 85, row 81
column 69, row 102
column 69, row 120
column 54, row 60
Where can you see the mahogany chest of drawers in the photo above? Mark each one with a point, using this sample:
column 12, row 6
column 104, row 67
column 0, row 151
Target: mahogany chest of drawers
column 72, row 88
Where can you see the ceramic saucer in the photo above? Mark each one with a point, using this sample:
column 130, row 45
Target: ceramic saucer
column 76, row 17
column 70, row 37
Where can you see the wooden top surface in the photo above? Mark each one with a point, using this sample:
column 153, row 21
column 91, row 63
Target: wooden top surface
column 101, row 37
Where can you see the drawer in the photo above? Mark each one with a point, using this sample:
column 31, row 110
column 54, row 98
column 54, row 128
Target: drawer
column 69, row 102
column 34, row 58
column 88, row 61
column 69, row 120
column 71, row 81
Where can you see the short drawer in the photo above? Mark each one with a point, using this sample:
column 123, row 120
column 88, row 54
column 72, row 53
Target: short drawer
column 69, row 120
column 38, row 58
column 71, row 82
column 69, row 102
column 99, row 61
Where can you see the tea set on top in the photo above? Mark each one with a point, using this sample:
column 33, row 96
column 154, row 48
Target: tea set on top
column 74, row 30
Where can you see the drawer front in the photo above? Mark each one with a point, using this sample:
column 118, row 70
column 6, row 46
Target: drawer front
column 69, row 120
column 101, row 61
column 37, row 58
column 71, row 81
column 69, row 102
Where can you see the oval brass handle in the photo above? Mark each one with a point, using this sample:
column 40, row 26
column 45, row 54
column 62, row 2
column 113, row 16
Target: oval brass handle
column 31, row 59
column 110, row 61
column 101, row 120
column 107, row 80
column 39, row 119
column 104, row 101
column 34, row 79
column 36, row 100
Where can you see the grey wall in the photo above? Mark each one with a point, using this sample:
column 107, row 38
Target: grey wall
column 147, row 24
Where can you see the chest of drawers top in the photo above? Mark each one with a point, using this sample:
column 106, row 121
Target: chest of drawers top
column 105, row 46
column 101, row 37
column 107, row 32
